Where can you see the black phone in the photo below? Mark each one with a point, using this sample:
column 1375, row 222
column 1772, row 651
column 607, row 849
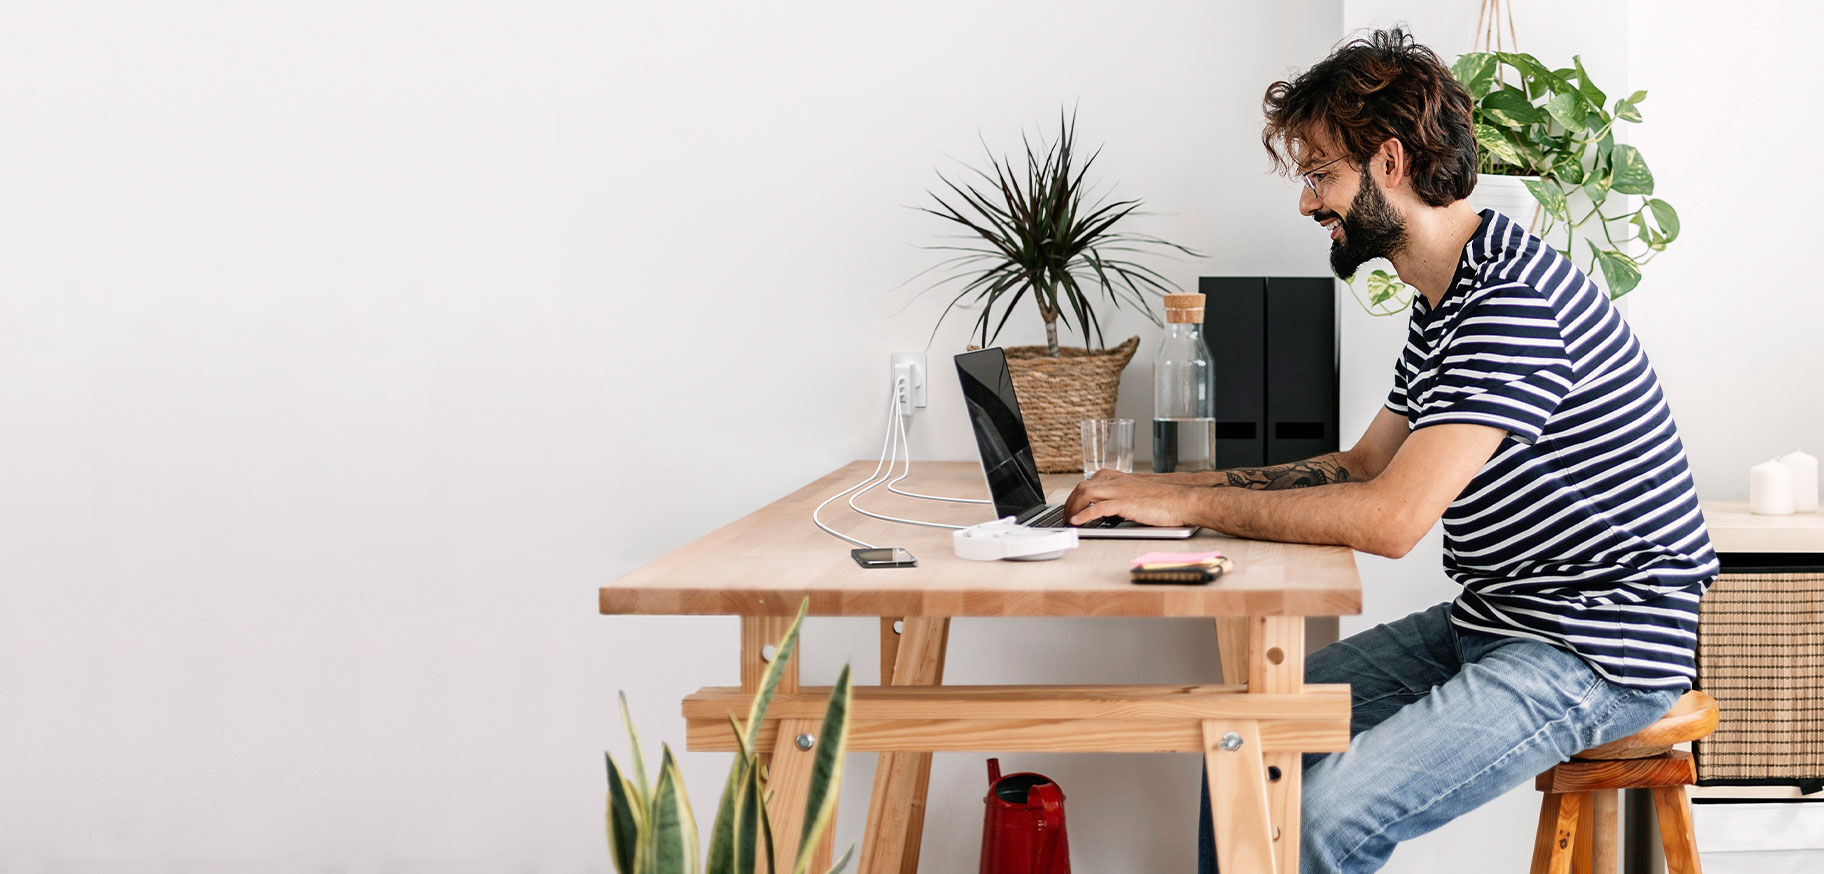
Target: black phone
column 891, row 556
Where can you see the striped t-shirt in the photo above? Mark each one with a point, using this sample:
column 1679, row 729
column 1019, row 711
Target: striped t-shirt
column 1584, row 529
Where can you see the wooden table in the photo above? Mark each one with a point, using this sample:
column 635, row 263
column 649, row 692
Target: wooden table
column 1251, row 728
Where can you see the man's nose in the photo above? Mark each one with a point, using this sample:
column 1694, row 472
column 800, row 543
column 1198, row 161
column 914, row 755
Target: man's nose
column 1307, row 200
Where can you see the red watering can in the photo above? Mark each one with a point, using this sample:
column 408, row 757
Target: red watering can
column 1023, row 831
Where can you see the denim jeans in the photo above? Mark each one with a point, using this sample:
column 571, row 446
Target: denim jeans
column 1444, row 721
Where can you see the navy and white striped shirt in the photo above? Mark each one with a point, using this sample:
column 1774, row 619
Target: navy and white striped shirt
column 1584, row 529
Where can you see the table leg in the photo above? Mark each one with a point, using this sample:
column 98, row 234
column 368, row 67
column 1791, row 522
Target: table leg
column 1238, row 797
column 1274, row 663
column 896, row 811
column 788, row 768
column 1232, row 647
column 790, row 784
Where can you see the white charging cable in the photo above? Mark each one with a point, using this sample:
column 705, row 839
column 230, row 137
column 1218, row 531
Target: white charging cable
column 897, row 438
column 900, row 427
column 892, row 414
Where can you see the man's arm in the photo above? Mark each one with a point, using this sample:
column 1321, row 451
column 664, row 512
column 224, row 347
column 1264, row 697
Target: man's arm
column 1385, row 513
column 1363, row 461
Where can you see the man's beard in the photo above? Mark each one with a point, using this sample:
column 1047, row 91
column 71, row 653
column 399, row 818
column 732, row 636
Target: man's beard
column 1372, row 230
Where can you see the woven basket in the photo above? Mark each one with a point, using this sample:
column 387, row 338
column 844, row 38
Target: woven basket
column 1057, row 394
column 1760, row 654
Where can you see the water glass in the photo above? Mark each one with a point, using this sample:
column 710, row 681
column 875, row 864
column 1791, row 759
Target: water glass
column 1108, row 443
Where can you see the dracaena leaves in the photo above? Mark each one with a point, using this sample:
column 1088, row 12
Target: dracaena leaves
column 1034, row 229
column 1551, row 126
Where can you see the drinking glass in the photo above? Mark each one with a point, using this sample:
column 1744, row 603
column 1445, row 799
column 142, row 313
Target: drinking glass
column 1108, row 443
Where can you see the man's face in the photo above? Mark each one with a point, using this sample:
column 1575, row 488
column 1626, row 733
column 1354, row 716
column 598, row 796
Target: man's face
column 1367, row 228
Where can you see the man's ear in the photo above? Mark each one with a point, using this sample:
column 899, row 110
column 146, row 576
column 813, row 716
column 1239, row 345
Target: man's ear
column 1389, row 163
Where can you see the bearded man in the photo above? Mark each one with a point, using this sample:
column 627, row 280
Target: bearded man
column 1523, row 414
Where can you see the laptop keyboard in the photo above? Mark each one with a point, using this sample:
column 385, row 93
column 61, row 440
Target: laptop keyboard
column 1053, row 517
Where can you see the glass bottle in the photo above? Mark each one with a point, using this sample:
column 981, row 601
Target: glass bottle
column 1184, row 391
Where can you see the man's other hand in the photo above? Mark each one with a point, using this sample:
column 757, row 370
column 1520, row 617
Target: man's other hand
column 1136, row 497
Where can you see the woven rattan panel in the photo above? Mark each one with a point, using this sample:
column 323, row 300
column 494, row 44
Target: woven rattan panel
column 1761, row 656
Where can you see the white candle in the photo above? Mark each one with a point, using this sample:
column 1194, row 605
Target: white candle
column 1804, row 481
column 1770, row 487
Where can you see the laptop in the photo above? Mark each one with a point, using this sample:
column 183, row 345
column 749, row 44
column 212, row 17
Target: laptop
column 1013, row 477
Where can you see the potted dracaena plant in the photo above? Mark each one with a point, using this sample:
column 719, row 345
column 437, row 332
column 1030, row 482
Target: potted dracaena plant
column 651, row 829
column 1033, row 231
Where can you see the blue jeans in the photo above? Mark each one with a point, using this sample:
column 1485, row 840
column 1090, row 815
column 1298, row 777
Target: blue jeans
column 1444, row 721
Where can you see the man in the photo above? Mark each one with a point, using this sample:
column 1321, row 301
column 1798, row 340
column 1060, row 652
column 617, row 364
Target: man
column 1525, row 416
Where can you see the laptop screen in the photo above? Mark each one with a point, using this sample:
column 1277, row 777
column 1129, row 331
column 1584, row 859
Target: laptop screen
column 1000, row 432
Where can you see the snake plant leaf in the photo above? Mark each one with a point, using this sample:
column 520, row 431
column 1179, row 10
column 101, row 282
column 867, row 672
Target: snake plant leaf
column 775, row 669
column 1621, row 271
column 633, row 740
column 1491, row 141
column 1549, row 196
column 842, row 862
column 671, row 827
column 750, row 806
column 623, row 821
column 1631, row 173
column 722, row 833
column 826, row 771
column 1476, row 70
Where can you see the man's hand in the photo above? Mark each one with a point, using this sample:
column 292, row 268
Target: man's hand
column 1139, row 497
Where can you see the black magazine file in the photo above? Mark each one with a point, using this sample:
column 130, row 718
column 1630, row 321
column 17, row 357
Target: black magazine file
column 1273, row 344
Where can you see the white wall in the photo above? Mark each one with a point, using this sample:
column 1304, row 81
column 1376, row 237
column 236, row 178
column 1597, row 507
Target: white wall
column 345, row 349
column 1733, row 309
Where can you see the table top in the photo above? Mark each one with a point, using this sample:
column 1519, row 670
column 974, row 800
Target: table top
column 767, row 562
column 1733, row 529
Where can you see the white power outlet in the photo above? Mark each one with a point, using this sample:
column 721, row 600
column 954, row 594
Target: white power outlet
column 910, row 365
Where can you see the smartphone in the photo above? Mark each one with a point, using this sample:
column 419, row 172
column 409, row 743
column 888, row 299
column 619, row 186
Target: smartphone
column 891, row 556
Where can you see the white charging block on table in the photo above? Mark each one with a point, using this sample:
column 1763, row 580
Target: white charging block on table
column 1006, row 539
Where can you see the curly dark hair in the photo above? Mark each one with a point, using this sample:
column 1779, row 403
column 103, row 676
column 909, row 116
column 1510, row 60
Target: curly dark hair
column 1370, row 91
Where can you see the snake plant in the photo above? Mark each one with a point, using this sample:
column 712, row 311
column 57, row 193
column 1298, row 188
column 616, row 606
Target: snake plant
column 651, row 829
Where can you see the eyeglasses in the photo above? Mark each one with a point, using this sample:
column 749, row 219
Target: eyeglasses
column 1309, row 177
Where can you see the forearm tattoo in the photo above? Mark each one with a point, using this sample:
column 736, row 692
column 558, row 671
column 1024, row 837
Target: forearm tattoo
column 1297, row 475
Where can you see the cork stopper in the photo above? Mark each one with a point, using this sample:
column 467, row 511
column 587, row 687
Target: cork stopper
column 1184, row 308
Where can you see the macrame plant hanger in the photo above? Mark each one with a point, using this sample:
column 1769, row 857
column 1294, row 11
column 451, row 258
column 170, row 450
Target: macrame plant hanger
column 1489, row 38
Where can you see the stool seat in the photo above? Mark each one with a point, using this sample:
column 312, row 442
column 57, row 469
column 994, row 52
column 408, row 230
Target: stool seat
column 1693, row 717
column 1578, row 814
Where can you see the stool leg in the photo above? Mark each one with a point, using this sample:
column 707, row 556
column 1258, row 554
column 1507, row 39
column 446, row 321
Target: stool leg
column 1557, row 833
column 1605, row 830
column 1675, row 833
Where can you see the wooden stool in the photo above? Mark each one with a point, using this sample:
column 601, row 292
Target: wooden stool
column 1577, row 822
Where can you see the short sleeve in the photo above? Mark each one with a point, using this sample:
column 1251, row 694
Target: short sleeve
column 1504, row 365
column 1396, row 398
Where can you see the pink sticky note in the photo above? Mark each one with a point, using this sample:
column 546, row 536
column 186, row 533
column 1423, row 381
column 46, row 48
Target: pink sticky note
column 1178, row 557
